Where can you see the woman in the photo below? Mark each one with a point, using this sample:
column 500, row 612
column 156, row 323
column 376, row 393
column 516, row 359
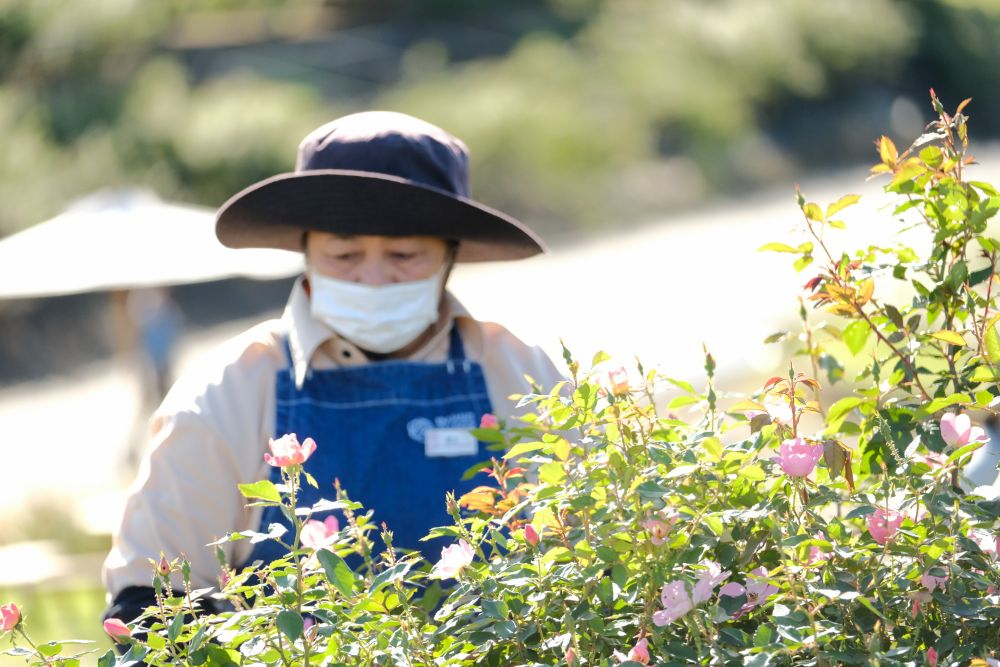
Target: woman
column 372, row 357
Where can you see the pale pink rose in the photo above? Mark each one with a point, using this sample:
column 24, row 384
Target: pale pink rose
column 286, row 451
column 932, row 657
column 988, row 542
column 917, row 599
column 775, row 407
column 958, row 431
column 798, row 458
column 531, row 535
column 618, row 383
column 117, row 630
column 489, row 421
column 454, row 559
column 758, row 589
column 10, row 616
column 883, row 524
column 708, row 579
column 639, row 653
column 658, row 530
column 676, row 603
column 816, row 554
column 570, row 656
column 319, row 534
column 930, row 582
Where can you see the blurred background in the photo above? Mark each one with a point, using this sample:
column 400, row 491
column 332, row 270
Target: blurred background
column 653, row 143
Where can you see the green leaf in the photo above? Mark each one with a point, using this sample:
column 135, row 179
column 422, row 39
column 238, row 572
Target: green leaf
column 856, row 335
column 777, row 247
column 942, row 403
column 290, row 624
column 50, row 649
column 552, row 473
column 263, row 489
column 107, row 660
column 813, row 212
column 984, row 373
column 395, row 572
column 983, row 398
column 840, row 409
column 802, row 262
column 764, row 636
column 950, row 337
column 599, row 357
column 176, row 625
column 337, row 571
column 966, row 449
column 524, row 448
column 991, row 340
column 957, row 276
column 868, row 604
column 681, row 401
column 841, row 204
column 932, row 156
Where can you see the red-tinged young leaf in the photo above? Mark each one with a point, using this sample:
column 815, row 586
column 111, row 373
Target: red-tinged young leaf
column 887, row 151
column 841, row 204
column 964, row 104
column 772, row 381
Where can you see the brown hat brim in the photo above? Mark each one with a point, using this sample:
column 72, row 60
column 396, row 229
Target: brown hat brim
column 274, row 212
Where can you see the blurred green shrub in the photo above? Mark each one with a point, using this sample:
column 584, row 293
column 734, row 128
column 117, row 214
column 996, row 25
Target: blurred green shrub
column 603, row 110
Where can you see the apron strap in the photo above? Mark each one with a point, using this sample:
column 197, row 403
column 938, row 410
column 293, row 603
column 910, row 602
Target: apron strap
column 288, row 357
column 456, row 349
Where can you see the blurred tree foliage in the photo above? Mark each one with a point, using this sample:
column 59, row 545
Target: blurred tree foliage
column 601, row 109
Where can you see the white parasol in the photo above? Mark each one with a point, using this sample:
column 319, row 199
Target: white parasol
column 122, row 239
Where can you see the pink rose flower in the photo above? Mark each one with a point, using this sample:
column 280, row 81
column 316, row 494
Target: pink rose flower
column 958, row 431
column 758, row 589
column 708, row 579
column 639, row 653
column 883, row 524
column 319, row 534
column 10, row 616
column 816, row 554
column 798, row 458
column 454, row 559
column 676, row 603
column 658, row 530
column 932, row 657
column 489, row 420
column 570, row 656
column 930, row 582
column 117, row 630
column 531, row 535
column 286, row 451
column 987, row 541
column 618, row 383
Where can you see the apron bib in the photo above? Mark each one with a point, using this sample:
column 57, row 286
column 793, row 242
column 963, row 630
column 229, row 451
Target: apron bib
column 395, row 433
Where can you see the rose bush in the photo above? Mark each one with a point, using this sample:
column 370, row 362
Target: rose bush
column 807, row 524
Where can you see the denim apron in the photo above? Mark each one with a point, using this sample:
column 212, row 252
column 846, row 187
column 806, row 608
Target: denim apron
column 395, row 433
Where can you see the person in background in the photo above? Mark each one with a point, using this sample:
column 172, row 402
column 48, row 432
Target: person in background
column 373, row 358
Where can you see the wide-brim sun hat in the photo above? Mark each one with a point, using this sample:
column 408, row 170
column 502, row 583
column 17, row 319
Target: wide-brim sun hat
column 375, row 173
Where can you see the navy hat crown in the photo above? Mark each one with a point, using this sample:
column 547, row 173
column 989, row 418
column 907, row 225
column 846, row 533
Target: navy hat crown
column 394, row 144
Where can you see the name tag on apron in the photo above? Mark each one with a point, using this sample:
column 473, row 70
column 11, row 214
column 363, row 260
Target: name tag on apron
column 450, row 442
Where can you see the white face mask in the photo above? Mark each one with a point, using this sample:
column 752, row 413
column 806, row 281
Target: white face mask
column 382, row 318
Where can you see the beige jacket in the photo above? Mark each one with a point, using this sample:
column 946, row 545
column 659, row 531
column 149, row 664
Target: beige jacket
column 211, row 432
